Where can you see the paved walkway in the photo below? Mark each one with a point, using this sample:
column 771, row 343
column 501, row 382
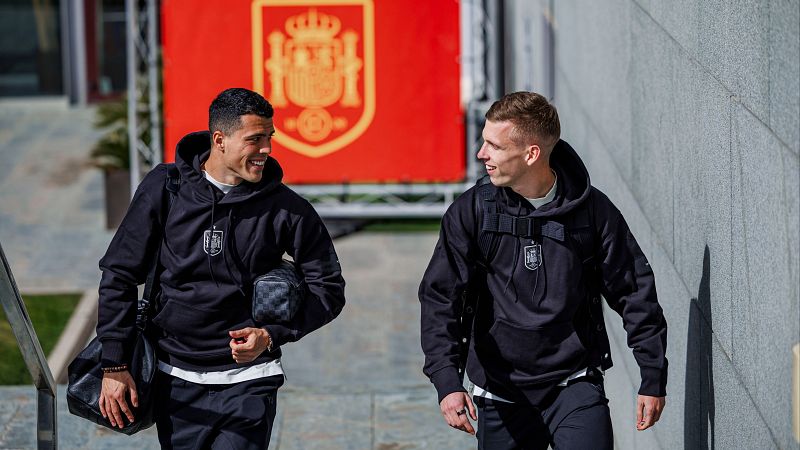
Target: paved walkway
column 355, row 384
column 51, row 201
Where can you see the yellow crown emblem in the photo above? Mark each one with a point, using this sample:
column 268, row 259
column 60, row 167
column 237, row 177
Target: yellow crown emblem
column 320, row 67
column 313, row 26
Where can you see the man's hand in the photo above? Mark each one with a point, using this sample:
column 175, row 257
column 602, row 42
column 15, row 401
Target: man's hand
column 454, row 409
column 648, row 411
column 246, row 344
column 112, row 397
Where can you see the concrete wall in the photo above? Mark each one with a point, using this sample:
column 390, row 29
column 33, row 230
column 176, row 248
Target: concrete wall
column 687, row 114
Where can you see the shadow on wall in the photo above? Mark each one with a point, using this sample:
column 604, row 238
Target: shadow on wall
column 698, row 410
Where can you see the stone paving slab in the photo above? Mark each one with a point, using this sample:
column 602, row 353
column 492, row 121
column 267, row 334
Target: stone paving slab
column 52, row 220
column 305, row 420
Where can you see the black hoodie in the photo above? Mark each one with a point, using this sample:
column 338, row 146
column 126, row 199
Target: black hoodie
column 213, row 246
column 531, row 330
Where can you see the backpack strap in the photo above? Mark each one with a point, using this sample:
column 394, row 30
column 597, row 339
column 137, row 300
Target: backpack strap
column 172, row 184
column 583, row 232
column 485, row 207
column 523, row 226
column 487, row 243
column 492, row 223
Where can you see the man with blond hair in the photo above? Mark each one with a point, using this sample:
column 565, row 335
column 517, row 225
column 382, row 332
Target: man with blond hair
column 512, row 294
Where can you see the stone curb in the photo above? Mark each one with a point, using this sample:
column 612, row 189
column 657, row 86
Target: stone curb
column 75, row 335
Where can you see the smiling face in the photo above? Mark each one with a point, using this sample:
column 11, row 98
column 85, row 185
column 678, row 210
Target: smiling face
column 241, row 155
column 507, row 162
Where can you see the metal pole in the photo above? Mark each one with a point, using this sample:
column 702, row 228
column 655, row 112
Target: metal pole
column 67, row 47
column 77, row 50
column 494, row 50
column 47, row 420
column 550, row 50
column 156, row 155
column 33, row 355
column 132, row 28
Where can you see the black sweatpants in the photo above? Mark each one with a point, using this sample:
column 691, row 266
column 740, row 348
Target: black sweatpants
column 578, row 418
column 215, row 416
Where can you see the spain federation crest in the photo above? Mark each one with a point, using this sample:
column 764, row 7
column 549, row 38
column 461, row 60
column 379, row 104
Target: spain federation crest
column 212, row 242
column 314, row 60
column 533, row 256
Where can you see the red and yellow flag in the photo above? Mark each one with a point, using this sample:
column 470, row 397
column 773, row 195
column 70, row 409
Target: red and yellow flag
column 363, row 90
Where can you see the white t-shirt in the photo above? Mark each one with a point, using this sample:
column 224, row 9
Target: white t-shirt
column 225, row 188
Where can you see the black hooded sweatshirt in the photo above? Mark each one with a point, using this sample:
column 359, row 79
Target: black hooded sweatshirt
column 531, row 328
column 213, row 247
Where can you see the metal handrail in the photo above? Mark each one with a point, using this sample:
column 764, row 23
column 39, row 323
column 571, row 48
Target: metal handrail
column 46, row 431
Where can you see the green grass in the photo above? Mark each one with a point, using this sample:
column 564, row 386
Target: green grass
column 49, row 314
column 403, row 225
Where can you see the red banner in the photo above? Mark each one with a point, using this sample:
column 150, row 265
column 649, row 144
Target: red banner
column 363, row 90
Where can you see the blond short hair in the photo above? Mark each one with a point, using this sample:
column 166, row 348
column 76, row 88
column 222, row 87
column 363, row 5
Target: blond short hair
column 535, row 119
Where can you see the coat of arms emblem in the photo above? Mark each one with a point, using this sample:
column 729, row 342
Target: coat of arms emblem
column 533, row 256
column 314, row 61
column 212, row 242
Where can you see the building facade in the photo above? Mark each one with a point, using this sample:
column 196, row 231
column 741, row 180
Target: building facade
column 687, row 115
column 72, row 48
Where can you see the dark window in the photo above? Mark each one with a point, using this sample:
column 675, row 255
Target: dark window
column 30, row 47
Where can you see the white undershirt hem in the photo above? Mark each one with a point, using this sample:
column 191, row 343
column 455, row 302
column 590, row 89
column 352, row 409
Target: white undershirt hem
column 231, row 376
column 477, row 391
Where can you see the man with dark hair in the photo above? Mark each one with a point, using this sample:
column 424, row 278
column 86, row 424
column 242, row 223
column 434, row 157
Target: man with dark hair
column 512, row 294
column 231, row 220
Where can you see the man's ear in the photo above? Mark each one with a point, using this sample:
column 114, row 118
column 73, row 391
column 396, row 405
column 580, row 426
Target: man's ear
column 534, row 152
column 218, row 140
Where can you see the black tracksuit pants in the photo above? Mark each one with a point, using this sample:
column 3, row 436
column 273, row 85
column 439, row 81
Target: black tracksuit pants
column 215, row 416
column 578, row 418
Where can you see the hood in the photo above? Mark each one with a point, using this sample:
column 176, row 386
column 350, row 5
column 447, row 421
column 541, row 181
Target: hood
column 193, row 150
column 573, row 187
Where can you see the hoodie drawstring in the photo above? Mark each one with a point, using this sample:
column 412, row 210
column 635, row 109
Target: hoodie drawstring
column 541, row 267
column 544, row 275
column 224, row 244
column 514, row 266
column 208, row 254
column 233, row 246
column 536, row 284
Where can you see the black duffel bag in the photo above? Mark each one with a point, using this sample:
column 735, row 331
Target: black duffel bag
column 86, row 380
column 86, row 370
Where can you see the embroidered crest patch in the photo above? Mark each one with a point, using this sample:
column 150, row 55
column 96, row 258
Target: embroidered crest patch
column 212, row 242
column 533, row 256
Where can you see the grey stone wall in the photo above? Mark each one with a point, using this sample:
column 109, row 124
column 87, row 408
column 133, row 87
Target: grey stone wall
column 687, row 114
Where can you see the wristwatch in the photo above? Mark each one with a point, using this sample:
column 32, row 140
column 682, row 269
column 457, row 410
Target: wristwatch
column 269, row 336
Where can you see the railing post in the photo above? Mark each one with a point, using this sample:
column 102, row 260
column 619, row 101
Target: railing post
column 46, row 430
column 47, row 420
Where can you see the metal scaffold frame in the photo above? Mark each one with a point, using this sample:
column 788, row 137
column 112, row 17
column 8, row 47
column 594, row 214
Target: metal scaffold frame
column 482, row 68
column 144, row 90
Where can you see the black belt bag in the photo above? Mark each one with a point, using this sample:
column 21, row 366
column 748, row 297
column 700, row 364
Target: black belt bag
column 278, row 294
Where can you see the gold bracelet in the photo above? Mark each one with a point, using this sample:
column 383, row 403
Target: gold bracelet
column 115, row 369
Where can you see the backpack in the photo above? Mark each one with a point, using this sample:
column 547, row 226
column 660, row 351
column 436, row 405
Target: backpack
column 578, row 226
